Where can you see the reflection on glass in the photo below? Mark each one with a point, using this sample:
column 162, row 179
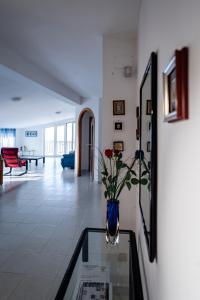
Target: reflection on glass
column 146, row 114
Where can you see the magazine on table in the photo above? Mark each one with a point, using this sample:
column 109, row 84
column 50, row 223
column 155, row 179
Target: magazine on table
column 94, row 283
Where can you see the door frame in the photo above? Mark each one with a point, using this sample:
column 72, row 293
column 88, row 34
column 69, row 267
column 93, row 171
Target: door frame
column 80, row 119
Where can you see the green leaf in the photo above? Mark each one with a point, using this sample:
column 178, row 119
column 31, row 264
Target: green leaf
column 128, row 184
column 149, row 186
column 105, row 194
column 120, row 155
column 143, row 181
column 104, row 180
column 114, row 178
column 128, row 176
column 119, row 164
column 110, row 178
column 133, row 172
column 105, row 173
column 124, row 165
column 134, row 181
column 144, row 173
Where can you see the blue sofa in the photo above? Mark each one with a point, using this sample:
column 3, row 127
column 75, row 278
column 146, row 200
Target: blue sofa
column 67, row 161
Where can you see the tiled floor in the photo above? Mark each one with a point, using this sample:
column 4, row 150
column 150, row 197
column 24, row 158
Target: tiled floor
column 41, row 217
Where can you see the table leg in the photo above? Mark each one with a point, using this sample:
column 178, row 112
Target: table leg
column 85, row 249
column 36, row 162
column 44, row 160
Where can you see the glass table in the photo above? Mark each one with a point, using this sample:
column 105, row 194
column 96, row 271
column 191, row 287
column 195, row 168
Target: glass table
column 98, row 270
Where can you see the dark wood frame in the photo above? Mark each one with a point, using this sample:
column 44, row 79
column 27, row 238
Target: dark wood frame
column 117, row 103
column 118, row 142
column 116, row 125
column 179, row 65
column 151, row 235
column 79, row 150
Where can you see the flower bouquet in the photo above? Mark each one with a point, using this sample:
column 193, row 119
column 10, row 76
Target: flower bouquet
column 116, row 175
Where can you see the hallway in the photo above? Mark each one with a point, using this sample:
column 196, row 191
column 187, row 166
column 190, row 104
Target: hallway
column 41, row 217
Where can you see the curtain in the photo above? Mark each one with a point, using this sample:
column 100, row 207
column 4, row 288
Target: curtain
column 7, row 137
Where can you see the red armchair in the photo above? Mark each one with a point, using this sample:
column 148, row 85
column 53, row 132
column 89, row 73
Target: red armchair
column 12, row 160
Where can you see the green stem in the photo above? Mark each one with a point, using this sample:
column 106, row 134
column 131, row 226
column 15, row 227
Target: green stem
column 124, row 180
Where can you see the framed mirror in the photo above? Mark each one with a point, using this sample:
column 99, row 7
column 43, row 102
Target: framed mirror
column 148, row 159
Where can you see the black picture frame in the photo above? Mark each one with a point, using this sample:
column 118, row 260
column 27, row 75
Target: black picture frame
column 118, row 126
column 148, row 141
column 118, row 145
column 118, row 107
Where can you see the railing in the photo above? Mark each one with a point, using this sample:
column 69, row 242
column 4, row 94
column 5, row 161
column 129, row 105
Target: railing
column 49, row 147
column 60, row 147
column 70, row 146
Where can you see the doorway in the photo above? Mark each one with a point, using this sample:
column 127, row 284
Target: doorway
column 86, row 142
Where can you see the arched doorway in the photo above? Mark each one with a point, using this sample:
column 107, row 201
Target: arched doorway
column 86, row 140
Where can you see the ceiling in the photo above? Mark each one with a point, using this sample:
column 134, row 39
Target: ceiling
column 37, row 106
column 64, row 37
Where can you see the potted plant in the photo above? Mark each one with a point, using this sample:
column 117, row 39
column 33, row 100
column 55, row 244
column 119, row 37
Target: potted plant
column 118, row 174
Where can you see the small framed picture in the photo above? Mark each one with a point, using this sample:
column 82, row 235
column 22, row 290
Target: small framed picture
column 148, row 107
column 175, row 85
column 118, row 145
column 118, row 107
column 118, row 125
column 30, row 133
column 148, row 146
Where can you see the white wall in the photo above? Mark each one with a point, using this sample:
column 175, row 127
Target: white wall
column 119, row 52
column 32, row 143
column 163, row 27
column 35, row 143
column 94, row 106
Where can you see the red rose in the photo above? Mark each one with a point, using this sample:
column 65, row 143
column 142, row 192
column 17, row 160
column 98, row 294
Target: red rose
column 109, row 153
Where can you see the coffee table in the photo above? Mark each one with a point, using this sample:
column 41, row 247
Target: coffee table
column 33, row 157
column 98, row 270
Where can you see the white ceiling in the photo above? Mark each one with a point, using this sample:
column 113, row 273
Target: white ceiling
column 38, row 104
column 64, row 37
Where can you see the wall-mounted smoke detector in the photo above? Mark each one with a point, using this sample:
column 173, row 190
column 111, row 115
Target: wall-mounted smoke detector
column 16, row 99
column 58, row 112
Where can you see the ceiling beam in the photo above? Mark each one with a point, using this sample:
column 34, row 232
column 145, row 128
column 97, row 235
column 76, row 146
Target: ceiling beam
column 26, row 68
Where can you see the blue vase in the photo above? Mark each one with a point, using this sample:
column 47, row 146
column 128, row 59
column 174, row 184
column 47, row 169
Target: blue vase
column 112, row 221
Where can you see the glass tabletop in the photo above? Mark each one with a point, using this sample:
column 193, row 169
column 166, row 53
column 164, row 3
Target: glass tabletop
column 99, row 270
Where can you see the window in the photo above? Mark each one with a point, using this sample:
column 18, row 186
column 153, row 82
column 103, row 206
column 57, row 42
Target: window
column 7, row 137
column 49, row 141
column 60, row 141
column 70, row 137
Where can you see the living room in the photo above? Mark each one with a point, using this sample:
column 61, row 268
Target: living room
column 39, row 123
